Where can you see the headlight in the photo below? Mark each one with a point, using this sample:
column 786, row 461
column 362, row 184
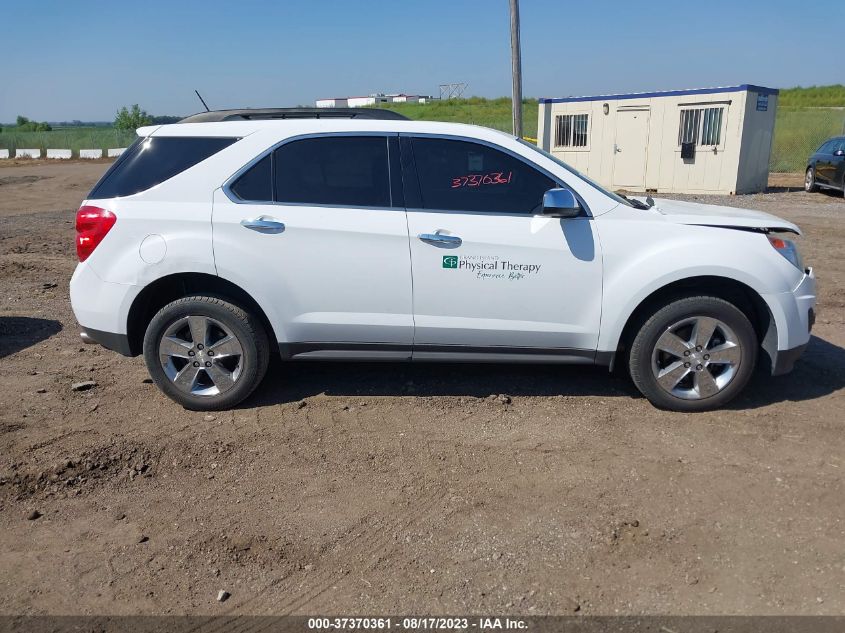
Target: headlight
column 788, row 249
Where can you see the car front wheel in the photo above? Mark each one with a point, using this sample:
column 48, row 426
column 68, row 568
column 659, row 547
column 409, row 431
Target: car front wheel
column 695, row 354
column 205, row 353
column 810, row 181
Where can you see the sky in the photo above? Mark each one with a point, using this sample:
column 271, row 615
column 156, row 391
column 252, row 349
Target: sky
column 83, row 59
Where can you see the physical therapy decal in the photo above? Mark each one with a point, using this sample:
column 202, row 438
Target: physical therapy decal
column 490, row 267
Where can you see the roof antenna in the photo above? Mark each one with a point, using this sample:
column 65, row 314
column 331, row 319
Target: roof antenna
column 207, row 109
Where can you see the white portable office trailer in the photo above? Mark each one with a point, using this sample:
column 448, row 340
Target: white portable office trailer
column 709, row 140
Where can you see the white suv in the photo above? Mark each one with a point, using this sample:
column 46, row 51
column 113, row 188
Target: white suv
column 208, row 246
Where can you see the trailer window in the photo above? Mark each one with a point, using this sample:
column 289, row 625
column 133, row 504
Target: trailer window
column 572, row 130
column 702, row 126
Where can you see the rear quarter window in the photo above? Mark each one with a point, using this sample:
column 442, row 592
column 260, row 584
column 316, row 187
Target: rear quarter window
column 151, row 161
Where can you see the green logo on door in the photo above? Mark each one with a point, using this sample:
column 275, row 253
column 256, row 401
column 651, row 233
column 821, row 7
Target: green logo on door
column 450, row 261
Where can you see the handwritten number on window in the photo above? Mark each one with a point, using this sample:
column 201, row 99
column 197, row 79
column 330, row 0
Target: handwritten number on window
column 477, row 180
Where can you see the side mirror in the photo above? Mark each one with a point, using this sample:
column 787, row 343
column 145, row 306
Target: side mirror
column 839, row 152
column 560, row 203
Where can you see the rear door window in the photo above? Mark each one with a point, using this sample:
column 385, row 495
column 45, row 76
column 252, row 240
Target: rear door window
column 333, row 170
column 256, row 183
column 465, row 176
column 153, row 160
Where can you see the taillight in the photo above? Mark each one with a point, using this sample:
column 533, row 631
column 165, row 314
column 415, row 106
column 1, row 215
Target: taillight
column 92, row 225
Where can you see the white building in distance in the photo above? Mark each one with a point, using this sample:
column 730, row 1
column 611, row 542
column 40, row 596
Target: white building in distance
column 372, row 100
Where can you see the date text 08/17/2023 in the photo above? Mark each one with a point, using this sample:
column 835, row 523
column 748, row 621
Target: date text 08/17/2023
column 417, row 623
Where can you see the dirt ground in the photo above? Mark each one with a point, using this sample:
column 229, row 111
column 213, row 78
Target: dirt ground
column 405, row 489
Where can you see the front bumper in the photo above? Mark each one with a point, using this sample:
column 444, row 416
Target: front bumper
column 794, row 314
column 785, row 360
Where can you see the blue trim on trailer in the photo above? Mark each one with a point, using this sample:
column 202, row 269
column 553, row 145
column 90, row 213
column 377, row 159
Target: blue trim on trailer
column 668, row 93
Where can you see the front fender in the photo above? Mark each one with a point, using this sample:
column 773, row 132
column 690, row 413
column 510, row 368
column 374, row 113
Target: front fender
column 636, row 268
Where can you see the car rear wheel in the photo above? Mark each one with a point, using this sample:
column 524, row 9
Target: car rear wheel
column 205, row 353
column 810, row 181
column 695, row 354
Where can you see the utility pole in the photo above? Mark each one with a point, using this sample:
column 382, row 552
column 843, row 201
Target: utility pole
column 516, row 69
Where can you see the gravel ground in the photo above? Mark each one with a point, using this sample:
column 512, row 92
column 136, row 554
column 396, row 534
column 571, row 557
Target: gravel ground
column 405, row 489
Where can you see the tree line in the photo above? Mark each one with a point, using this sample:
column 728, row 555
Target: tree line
column 25, row 125
column 134, row 117
column 127, row 118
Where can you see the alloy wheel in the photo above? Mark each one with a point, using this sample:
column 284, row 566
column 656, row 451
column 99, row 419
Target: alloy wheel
column 200, row 355
column 696, row 358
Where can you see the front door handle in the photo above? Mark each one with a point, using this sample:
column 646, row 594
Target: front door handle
column 263, row 224
column 440, row 238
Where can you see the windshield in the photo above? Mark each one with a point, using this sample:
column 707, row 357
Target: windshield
column 575, row 172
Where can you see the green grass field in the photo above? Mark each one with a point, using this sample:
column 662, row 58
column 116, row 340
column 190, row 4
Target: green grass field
column 799, row 132
column 73, row 138
column 494, row 113
column 812, row 97
column 805, row 117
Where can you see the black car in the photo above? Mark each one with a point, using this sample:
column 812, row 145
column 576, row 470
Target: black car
column 826, row 168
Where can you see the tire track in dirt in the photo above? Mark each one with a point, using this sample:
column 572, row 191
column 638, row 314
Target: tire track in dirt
column 377, row 543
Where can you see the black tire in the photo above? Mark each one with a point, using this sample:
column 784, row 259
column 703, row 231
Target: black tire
column 250, row 362
column 643, row 354
column 810, row 185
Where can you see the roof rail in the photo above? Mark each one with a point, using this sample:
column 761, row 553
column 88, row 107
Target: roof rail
column 263, row 114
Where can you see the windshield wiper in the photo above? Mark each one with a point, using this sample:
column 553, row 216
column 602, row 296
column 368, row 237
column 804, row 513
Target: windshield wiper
column 637, row 204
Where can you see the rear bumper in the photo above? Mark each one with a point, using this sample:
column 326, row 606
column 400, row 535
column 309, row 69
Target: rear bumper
column 101, row 308
column 115, row 342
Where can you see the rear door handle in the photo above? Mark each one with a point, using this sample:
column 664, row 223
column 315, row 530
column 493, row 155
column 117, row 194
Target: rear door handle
column 440, row 238
column 263, row 224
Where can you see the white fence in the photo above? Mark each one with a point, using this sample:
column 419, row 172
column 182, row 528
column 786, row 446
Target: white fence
column 63, row 154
